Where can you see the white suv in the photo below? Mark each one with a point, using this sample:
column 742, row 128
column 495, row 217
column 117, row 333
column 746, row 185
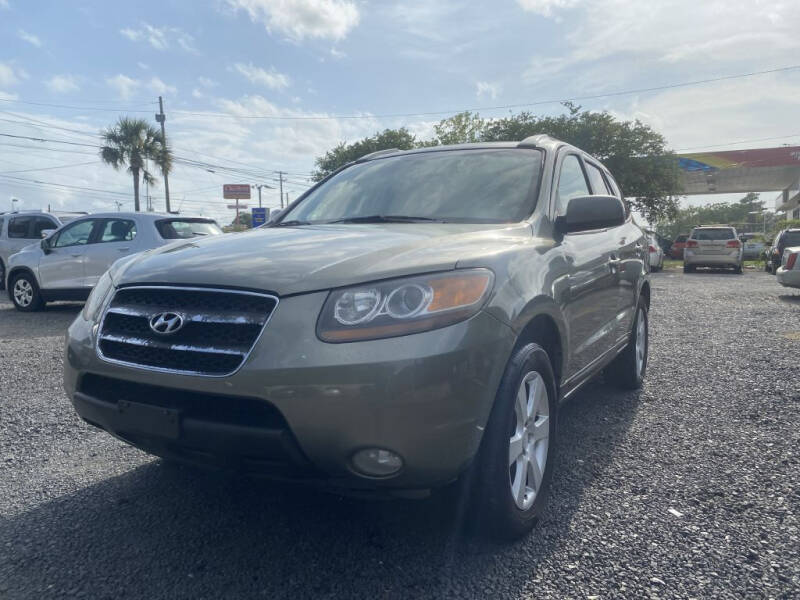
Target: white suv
column 67, row 264
column 713, row 246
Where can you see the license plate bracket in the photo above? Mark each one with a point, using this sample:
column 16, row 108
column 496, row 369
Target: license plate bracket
column 149, row 420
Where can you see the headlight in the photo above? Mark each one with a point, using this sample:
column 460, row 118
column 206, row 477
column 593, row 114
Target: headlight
column 95, row 300
column 402, row 306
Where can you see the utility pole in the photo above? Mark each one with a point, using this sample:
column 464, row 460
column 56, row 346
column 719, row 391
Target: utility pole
column 287, row 198
column 258, row 186
column 160, row 118
column 280, row 178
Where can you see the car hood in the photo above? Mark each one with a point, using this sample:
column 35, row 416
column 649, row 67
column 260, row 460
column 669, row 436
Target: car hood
column 290, row 260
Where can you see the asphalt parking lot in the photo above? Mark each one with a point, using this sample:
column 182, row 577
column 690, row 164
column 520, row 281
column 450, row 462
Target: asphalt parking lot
column 688, row 488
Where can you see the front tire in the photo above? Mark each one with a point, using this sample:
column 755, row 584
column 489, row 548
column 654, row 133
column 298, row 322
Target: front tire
column 2, row 276
column 628, row 369
column 24, row 293
column 515, row 462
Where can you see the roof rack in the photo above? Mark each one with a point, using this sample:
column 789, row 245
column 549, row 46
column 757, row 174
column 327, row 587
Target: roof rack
column 378, row 153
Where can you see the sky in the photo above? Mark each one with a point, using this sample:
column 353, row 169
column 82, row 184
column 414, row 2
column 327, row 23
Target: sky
column 253, row 87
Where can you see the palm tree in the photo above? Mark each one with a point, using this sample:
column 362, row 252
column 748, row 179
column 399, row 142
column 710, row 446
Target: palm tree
column 132, row 142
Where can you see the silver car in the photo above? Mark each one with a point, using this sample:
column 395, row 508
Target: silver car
column 713, row 246
column 67, row 264
column 20, row 229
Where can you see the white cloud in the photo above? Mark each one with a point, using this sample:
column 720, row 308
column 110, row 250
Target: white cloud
column 62, row 84
column 8, row 95
column 272, row 79
column 30, row 38
column 123, row 85
column 157, row 86
column 4, row 4
column 143, row 66
column 300, row 19
column 160, row 38
column 485, row 88
column 546, row 8
column 336, row 53
column 197, row 94
column 8, row 75
column 206, row 82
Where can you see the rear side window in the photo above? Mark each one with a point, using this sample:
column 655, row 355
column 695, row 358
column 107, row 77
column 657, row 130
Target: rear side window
column 599, row 185
column 182, row 229
column 571, row 183
column 18, row 227
column 722, row 233
column 117, row 230
column 40, row 224
column 790, row 238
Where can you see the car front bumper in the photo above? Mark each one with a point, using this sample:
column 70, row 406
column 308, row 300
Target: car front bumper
column 425, row 397
column 788, row 278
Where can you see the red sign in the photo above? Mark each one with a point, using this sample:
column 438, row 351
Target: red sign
column 236, row 191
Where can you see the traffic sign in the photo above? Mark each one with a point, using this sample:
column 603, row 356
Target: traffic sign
column 259, row 216
column 236, row 191
column 237, row 206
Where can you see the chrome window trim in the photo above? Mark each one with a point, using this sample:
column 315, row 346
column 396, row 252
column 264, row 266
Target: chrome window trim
column 123, row 363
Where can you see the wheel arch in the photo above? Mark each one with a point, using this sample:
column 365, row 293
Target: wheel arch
column 644, row 290
column 14, row 271
column 542, row 323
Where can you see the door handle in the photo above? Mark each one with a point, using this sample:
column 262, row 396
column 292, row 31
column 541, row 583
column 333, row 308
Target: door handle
column 76, row 255
column 122, row 249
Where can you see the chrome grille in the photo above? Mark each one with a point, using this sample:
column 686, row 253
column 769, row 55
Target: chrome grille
column 219, row 328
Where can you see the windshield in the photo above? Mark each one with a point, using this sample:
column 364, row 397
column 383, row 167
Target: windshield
column 723, row 233
column 464, row 186
column 180, row 229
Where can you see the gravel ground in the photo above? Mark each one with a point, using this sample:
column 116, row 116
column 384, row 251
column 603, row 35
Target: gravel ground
column 688, row 488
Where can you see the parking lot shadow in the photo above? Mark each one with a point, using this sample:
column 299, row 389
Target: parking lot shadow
column 164, row 531
column 52, row 321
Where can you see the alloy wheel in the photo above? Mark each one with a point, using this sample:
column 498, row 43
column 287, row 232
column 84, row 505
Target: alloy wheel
column 529, row 441
column 23, row 292
column 641, row 341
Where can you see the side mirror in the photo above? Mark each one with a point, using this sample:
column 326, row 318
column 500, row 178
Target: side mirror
column 45, row 244
column 46, row 233
column 585, row 213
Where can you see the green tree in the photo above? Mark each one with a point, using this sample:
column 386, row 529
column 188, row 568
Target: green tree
column 741, row 214
column 646, row 170
column 402, row 139
column 133, row 142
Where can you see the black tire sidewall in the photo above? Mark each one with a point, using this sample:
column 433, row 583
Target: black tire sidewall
column 503, row 518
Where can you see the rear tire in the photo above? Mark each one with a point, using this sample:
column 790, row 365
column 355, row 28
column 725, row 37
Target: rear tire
column 24, row 292
column 513, row 469
column 628, row 369
column 2, row 276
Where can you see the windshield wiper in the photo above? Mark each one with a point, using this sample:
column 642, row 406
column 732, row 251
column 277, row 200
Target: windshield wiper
column 290, row 223
column 386, row 219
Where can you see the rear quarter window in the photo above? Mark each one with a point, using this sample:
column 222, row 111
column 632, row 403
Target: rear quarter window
column 791, row 238
column 183, row 229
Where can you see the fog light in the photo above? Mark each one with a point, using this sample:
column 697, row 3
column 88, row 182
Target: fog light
column 377, row 462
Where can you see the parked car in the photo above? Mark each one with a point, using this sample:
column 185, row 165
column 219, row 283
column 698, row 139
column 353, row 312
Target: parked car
column 409, row 323
column 676, row 250
column 20, row 229
column 784, row 239
column 656, row 253
column 752, row 245
column 788, row 273
column 713, row 246
column 68, row 263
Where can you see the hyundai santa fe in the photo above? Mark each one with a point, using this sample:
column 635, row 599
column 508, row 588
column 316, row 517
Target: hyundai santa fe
column 410, row 323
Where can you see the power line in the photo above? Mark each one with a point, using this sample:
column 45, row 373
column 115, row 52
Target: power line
column 94, row 162
column 437, row 112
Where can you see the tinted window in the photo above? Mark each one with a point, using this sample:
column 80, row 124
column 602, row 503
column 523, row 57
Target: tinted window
column 18, row 227
column 181, row 229
column 75, row 234
column 477, row 186
column 790, row 238
column 596, row 179
column 42, row 223
column 118, row 230
column 681, row 238
column 571, row 183
column 723, row 233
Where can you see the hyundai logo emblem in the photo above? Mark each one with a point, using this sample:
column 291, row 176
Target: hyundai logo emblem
column 165, row 323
